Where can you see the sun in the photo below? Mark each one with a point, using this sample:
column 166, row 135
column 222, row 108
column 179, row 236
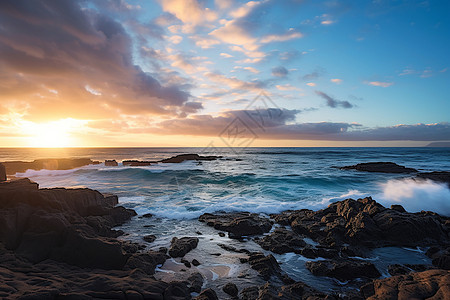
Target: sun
column 56, row 134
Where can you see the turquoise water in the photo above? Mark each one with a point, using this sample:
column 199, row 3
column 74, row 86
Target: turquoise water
column 264, row 180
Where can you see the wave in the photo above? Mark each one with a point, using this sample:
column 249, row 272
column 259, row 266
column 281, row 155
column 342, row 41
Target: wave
column 416, row 196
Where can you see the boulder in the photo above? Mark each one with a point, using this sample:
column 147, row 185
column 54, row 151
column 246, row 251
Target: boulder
column 195, row 282
column 149, row 238
column 237, row 224
column 267, row 266
column 180, row 246
column 381, row 167
column 443, row 176
column 147, row 262
column 431, row 284
column 231, row 289
column 343, row 269
column 207, row 294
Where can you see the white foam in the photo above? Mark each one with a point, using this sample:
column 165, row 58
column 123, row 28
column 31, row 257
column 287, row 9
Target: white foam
column 416, row 196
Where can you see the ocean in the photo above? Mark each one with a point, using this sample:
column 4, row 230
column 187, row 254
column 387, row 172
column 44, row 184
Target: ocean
column 260, row 180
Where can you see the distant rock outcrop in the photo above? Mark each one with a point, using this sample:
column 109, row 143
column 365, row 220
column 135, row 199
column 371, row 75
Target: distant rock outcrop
column 436, row 176
column 182, row 157
column 380, row 167
column 13, row 167
column 111, row 163
column 2, row 173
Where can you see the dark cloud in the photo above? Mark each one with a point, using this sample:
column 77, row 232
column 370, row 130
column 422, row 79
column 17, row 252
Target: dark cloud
column 280, row 71
column 334, row 103
column 50, row 51
column 314, row 75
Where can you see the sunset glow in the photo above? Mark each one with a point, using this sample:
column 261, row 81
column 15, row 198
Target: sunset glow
column 175, row 72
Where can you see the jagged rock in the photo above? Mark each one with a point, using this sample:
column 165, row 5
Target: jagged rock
column 136, row 163
column 343, row 269
column 111, row 163
column 431, row 284
column 2, row 173
column 177, row 290
column 267, row 266
column 182, row 157
column 195, row 262
column 237, row 224
column 381, row 167
column 146, row 262
column 231, row 289
column 180, row 246
column 367, row 223
column 282, row 241
column 440, row 257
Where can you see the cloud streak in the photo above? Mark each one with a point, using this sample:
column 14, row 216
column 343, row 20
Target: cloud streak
column 334, row 103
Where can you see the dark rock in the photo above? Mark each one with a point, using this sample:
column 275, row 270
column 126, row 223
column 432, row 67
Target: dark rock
column 267, row 266
column 440, row 257
column 179, row 247
column 231, row 289
column 199, row 233
column 238, row 224
column 397, row 269
column 221, row 234
column 436, row 176
column 146, row 262
column 111, row 163
column 186, row 263
column 135, row 163
column 381, row 167
column 207, row 294
column 195, row 282
column 149, row 238
column 13, row 167
column 250, row 293
column 367, row 223
column 232, row 249
column 343, row 269
column 182, row 157
column 282, row 241
column 2, row 172
column 398, row 208
column 195, row 262
column 177, row 290
column 431, row 284
column 146, row 216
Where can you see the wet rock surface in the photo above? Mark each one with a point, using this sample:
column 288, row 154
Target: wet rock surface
column 431, row 284
column 182, row 157
column 181, row 246
column 2, row 172
column 282, row 241
column 13, row 167
column 237, row 224
column 343, row 270
column 381, row 167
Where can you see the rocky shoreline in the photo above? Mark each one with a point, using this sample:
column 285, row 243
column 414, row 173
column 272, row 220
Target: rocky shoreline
column 62, row 244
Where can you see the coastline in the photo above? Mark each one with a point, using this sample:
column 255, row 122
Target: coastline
column 340, row 233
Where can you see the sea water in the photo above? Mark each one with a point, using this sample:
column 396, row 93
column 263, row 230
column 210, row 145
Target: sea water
column 260, row 180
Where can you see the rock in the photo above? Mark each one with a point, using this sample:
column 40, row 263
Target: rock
column 2, row 173
column 436, row 176
column 381, row 167
column 267, row 266
column 231, row 289
column 177, row 290
column 366, row 223
column 398, row 208
column 147, row 216
column 147, row 262
column 221, row 234
column 282, row 241
column 149, row 238
column 136, row 163
column 195, row 282
column 207, row 294
column 431, row 284
column 238, row 224
column 195, row 262
column 13, row 167
column 397, row 269
column 182, row 157
column 250, row 293
column 440, row 257
column 111, row 163
column 343, row 269
column 186, row 263
column 180, row 246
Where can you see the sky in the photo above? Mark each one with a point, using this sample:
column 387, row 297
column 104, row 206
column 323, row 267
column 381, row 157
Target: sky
column 224, row 73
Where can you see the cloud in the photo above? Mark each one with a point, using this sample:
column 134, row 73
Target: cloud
column 290, row 35
column 280, row 71
column 245, row 9
column 331, row 102
column 336, row 80
column 311, row 84
column 234, row 83
column 204, row 42
column 190, row 12
column 379, row 83
column 287, row 87
column 226, row 55
column 48, row 64
column 234, row 33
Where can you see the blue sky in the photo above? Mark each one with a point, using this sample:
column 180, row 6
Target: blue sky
column 364, row 70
